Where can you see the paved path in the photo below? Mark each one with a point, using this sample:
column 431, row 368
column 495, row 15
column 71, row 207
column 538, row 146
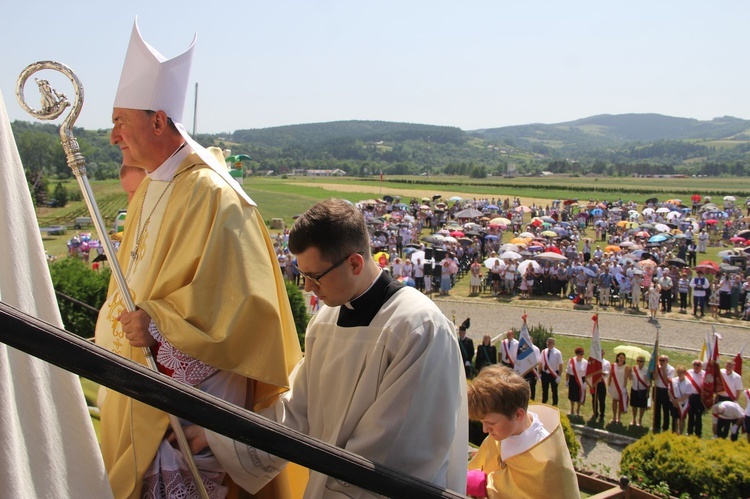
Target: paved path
column 675, row 333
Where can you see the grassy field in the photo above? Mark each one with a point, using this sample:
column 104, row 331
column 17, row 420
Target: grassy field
column 283, row 198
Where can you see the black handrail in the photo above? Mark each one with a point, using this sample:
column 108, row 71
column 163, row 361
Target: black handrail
column 72, row 353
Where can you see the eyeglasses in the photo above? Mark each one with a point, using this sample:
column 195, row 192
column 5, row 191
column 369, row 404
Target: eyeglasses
column 315, row 279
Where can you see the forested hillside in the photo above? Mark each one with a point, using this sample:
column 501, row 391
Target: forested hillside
column 606, row 145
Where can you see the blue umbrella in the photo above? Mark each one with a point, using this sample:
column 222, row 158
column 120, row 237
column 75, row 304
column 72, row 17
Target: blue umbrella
column 491, row 237
column 596, row 211
column 492, row 207
column 589, row 272
column 658, row 238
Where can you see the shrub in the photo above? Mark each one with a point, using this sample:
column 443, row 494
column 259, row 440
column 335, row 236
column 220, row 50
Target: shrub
column 74, row 278
column 688, row 466
column 299, row 311
column 538, row 333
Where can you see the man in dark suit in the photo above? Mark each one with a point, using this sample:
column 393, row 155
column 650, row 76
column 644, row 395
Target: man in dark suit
column 467, row 350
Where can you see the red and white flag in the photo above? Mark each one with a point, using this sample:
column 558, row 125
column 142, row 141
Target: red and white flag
column 738, row 361
column 712, row 378
column 594, row 369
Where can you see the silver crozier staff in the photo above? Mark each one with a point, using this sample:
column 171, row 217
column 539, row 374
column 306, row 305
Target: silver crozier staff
column 53, row 105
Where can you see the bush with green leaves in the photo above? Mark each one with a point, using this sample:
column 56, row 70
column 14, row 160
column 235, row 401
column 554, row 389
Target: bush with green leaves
column 688, row 466
column 538, row 333
column 299, row 311
column 74, row 278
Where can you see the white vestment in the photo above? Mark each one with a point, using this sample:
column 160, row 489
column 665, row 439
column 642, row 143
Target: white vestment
column 386, row 382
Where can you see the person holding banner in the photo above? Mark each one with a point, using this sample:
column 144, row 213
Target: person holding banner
column 509, row 349
column 640, row 383
column 680, row 390
column 550, row 365
column 695, row 404
column 576, row 378
column 663, row 409
column 527, row 358
column 617, row 386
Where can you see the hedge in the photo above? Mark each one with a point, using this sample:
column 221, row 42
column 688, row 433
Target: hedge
column 688, row 466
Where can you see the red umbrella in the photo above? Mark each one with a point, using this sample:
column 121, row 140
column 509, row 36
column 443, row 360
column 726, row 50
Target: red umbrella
column 706, row 269
column 711, row 222
column 536, row 223
column 737, row 239
column 554, row 249
column 642, row 233
column 709, row 264
column 457, row 233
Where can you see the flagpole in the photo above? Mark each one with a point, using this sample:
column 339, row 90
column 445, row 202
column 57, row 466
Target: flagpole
column 53, row 106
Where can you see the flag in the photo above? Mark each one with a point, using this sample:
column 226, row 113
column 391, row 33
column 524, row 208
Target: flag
column 738, row 361
column 704, row 356
column 594, row 368
column 654, row 356
column 49, row 446
column 712, row 378
column 526, row 359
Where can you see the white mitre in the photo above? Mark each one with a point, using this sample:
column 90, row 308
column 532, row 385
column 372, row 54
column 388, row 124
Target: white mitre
column 151, row 82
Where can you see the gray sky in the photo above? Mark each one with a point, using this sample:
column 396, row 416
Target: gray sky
column 471, row 64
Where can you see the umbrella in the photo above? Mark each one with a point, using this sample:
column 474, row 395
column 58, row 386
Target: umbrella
column 596, row 211
column 433, row 239
column 706, row 269
column 525, row 264
column 526, row 234
column 709, row 263
column 491, row 237
column 613, row 248
column 450, row 239
column 659, row 238
column 238, row 157
column 509, row 247
column 388, row 198
column 730, row 198
column 500, row 221
column 455, row 198
column 729, row 269
column 662, row 227
column 436, row 196
column 469, row 213
column 380, row 255
column 589, row 272
column 492, row 207
column 523, row 208
column 632, row 353
column 408, row 281
column 519, row 240
column 550, row 233
column 642, row 233
column 550, row 255
column 510, row 255
column 737, row 239
column 457, row 233
column 490, row 262
column 627, row 244
column 648, row 211
column 417, row 255
column 679, row 262
column 645, row 263
column 652, row 201
column 465, row 241
column 663, row 210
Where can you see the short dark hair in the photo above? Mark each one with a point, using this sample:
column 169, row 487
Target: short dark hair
column 334, row 226
column 497, row 389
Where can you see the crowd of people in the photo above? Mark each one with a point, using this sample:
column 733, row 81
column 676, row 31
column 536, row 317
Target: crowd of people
column 673, row 393
column 604, row 253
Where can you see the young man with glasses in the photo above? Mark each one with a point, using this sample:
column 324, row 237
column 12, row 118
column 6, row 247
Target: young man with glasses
column 382, row 374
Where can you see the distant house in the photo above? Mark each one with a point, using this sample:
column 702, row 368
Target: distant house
column 325, row 173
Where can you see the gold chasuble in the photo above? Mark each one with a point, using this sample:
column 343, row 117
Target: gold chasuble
column 205, row 271
column 544, row 470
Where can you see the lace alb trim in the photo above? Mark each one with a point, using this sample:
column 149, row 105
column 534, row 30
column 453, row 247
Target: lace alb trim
column 186, row 369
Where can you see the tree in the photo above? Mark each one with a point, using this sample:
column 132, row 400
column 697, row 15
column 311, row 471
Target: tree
column 73, row 278
column 60, row 195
